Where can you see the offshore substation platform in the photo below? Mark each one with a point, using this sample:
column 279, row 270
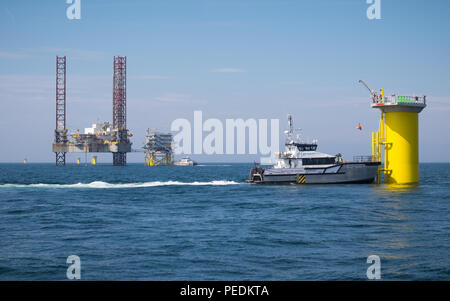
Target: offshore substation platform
column 398, row 134
column 158, row 148
column 102, row 137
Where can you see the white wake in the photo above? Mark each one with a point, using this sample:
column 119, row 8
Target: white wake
column 100, row 184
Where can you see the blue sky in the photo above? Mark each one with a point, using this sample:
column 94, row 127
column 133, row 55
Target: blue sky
column 275, row 58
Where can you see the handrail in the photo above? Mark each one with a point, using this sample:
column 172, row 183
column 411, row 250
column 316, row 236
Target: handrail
column 363, row 159
column 399, row 99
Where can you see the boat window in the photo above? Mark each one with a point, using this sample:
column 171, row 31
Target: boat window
column 306, row 147
column 318, row 161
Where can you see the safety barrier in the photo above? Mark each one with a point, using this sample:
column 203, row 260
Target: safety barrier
column 363, row 159
column 397, row 99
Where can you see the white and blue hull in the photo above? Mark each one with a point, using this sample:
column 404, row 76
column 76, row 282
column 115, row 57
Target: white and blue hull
column 340, row 173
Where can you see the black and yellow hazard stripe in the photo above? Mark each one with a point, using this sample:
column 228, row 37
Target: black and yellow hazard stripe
column 301, row 179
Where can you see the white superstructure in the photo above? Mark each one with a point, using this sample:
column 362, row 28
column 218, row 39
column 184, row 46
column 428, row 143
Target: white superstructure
column 301, row 154
column 186, row 161
column 301, row 163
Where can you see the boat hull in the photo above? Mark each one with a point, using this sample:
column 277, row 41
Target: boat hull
column 184, row 164
column 344, row 173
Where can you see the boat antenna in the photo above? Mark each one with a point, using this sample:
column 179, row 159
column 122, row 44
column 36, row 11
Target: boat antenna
column 291, row 124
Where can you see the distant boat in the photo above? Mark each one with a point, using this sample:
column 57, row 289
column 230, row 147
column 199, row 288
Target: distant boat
column 186, row 161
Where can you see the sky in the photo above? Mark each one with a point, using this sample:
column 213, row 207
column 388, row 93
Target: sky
column 229, row 59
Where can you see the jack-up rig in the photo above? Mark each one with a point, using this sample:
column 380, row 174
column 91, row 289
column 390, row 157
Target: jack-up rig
column 398, row 134
column 102, row 137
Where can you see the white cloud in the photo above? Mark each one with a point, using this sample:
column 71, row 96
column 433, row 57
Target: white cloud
column 12, row 55
column 439, row 99
column 228, row 70
column 77, row 54
column 26, row 87
column 438, row 103
column 179, row 98
column 173, row 97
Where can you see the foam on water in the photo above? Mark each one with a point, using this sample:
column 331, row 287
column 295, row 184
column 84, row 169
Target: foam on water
column 100, row 184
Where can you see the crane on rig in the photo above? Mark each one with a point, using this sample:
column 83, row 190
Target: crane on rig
column 368, row 88
column 375, row 96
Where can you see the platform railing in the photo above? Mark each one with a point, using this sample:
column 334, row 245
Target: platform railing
column 363, row 159
column 398, row 99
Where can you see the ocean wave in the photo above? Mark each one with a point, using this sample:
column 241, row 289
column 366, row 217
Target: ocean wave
column 100, row 184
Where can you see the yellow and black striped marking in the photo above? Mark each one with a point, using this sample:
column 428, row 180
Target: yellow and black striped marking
column 301, row 179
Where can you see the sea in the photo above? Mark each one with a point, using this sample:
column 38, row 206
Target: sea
column 206, row 223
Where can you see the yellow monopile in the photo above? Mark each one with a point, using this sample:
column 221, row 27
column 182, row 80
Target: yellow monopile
column 399, row 134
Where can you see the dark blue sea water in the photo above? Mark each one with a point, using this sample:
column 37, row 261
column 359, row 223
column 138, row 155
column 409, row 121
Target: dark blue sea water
column 206, row 223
